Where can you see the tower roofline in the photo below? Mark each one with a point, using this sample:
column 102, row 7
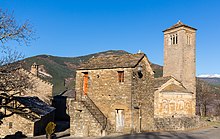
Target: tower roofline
column 177, row 25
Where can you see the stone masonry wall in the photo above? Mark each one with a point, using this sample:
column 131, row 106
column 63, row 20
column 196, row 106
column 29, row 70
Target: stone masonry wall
column 173, row 104
column 173, row 124
column 143, row 99
column 179, row 59
column 41, row 88
column 82, row 123
column 17, row 123
column 109, row 94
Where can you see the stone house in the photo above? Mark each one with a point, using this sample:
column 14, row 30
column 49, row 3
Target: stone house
column 31, row 123
column 38, row 95
column 41, row 88
column 38, row 86
column 119, row 94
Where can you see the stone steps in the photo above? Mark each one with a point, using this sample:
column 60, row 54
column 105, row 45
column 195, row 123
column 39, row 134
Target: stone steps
column 95, row 112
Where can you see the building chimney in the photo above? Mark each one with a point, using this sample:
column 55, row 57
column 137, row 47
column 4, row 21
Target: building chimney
column 34, row 69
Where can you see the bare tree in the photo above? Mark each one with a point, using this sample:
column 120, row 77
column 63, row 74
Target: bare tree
column 12, row 80
column 206, row 97
column 10, row 30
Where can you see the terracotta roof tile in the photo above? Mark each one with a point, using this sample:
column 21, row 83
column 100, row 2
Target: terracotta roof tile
column 108, row 62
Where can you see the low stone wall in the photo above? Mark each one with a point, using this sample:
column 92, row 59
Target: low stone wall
column 174, row 123
column 213, row 119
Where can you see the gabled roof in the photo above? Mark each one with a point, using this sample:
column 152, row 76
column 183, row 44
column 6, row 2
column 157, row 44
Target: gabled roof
column 35, row 105
column 109, row 62
column 179, row 24
column 158, row 82
column 174, row 88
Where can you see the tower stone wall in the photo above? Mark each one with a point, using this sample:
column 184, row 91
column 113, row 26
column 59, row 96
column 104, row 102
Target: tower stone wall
column 179, row 54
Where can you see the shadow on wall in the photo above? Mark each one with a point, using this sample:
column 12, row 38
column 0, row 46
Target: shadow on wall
column 17, row 135
column 60, row 103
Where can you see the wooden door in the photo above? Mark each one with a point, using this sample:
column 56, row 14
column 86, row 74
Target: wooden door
column 119, row 120
column 85, row 83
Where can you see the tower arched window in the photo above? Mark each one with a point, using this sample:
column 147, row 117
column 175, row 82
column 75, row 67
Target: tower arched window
column 173, row 39
column 188, row 39
column 176, row 39
column 170, row 40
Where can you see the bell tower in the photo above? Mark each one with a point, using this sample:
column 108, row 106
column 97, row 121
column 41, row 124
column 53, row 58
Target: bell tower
column 179, row 54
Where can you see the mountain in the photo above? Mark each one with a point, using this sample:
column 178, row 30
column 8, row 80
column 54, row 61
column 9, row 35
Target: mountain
column 62, row 69
column 211, row 80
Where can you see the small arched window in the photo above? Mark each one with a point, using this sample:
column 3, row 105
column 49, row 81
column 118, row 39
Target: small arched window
column 189, row 40
column 173, row 39
column 170, row 40
column 176, row 39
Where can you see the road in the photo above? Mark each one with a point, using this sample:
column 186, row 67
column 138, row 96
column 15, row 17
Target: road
column 205, row 133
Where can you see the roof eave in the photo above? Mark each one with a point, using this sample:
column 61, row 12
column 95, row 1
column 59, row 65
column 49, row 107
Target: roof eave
column 178, row 27
column 104, row 68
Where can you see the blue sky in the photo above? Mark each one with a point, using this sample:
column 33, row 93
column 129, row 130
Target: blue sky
column 79, row 27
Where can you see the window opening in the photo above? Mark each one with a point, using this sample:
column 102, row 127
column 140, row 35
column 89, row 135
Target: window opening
column 173, row 39
column 169, row 40
column 176, row 39
column 188, row 39
column 10, row 125
column 120, row 76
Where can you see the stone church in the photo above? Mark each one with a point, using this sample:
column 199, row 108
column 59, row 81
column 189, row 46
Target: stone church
column 119, row 94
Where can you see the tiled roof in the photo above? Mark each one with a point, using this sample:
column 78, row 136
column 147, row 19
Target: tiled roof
column 174, row 88
column 108, row 62
column 35, row 105
column 158, row 82
column 179, row 24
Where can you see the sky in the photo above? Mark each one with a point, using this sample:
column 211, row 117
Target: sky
column 70, row 28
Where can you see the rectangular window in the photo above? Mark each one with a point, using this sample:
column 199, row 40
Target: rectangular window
column 120, row 76
column 10, row 125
